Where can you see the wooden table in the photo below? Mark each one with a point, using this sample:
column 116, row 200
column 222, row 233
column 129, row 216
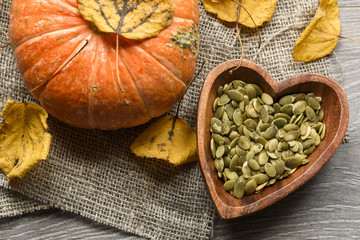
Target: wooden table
column 327, row 207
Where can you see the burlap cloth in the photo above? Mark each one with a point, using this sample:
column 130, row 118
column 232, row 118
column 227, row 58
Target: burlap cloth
column 93, row 173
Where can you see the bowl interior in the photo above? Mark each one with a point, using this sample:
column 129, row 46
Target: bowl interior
column 335, row 118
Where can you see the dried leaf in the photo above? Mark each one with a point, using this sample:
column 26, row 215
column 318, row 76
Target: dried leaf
column 321, row 36
column 260, row 10
column 134, row 19
column 169, row 138
column 24, row 140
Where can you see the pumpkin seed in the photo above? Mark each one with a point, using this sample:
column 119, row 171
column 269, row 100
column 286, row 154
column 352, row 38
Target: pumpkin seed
column 299, row 107
column 282, row 115
column 239, row 189
column 232, row 176
column 216, row 125
column 264, row 115
column 270, row 170
column 267, row 99
column 286, row 100
column 321, row 115
column 237, row 118
column 250, row 187
column 260, row 187
column 287, row 109
column 250, row 91
column 313, row 103
column 246, row 170
column 219, row 164
column 279, row 122
column 229, row 185
column 235, row 161
column 260, row 178
column 291, row 136
column 253, row 164
column 220, row 151
column 224, row 99
column 235, row 95
column 270, row 132
column 310, row 113
column 293, row 162
column 291, row 127
column 250, row 124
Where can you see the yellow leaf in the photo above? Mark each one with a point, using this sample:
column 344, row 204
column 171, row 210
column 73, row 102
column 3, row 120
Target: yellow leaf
column 134, row 19
column 169, row 138
column 321, row 36
column 24, row 140
column 260, row 10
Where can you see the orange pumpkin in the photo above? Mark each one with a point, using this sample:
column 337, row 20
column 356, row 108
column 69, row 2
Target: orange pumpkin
column 82, row 89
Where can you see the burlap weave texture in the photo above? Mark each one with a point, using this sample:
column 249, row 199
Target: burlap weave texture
column 93, row 173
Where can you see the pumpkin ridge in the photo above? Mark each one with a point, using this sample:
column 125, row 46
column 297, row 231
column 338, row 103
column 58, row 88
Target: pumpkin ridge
column 136, row 83
column 45, row 33
column 68, row 4
column 68, row 61
column 161, row 64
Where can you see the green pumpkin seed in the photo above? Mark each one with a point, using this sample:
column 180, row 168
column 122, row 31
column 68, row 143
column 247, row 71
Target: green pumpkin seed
column 253, row 164
column 235, row 161
column 286, row 100
column 299, row 96
column 235, row 95
column 261, row 140
column 244, row 143
column 279, row 167
column 223, row 100
column 251, row 112
column 215, row 105
column 313, row 103
column 299, row 107
column 218, row 139
column 293, row 162
column 304, row 161
column 219, row 112
column 257, row 89
column 246, row 170
column 250, row 187
column 279, row 122
column 282, row 115
column 213, row 148
column 271, row 182
column 270, row 132
column 219, row 164
column 237, row 117
column 264, row 115
column 291, row 127
column 277, row 108
column 250, row 124
column 229, row 185
column 267, row 99
column 310, row 113
column 250, row 91
column 287, row 109
column 321, row 115
column 239, row 189
column 216, row 125
column 270, row 170
column 322, row 133
column 232, row 176
column 290, row 136
column 263, row 158
column 260, row 178
column 220, row 91
column 220, row 151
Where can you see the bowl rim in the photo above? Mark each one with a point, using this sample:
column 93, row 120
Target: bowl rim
column 227, row 211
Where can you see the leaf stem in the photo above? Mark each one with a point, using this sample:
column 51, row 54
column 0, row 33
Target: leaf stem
column 196, row 75
column 117, row 63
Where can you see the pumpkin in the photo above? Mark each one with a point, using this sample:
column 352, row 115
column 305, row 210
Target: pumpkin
column 70, row 67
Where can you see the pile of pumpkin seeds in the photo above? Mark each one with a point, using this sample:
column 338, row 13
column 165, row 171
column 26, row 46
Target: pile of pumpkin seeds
column 256, row 142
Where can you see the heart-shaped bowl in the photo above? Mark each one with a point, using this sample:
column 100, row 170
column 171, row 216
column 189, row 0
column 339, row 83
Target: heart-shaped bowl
column 336, row 117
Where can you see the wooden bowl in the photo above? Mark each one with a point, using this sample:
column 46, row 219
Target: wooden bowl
column 336, row 118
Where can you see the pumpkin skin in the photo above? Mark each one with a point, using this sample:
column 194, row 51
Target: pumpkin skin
column 82, row 89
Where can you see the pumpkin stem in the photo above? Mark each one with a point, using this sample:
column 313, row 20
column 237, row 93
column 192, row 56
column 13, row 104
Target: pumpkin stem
column 196, row 75
column 117, row 63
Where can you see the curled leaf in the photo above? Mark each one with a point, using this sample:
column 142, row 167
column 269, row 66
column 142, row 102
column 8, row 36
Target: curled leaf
column 260, row 10
column 321, row 36
column 133, row 19
column 169, row 138
column 24, row 140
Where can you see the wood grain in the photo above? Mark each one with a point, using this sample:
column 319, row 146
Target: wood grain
column 327, row 207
